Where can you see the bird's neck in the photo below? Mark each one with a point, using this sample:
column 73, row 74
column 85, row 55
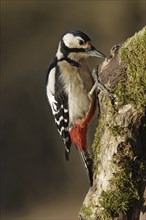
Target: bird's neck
column 73, row 58
column 61, row 57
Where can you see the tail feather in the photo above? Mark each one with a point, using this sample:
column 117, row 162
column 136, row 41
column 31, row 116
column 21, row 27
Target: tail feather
column 88, row 164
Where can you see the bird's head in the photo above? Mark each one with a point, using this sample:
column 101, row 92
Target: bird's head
column 77, row 45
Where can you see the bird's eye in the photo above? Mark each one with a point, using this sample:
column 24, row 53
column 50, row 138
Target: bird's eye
column 81, row 42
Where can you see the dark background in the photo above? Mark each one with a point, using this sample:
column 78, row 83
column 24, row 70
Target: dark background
column 36, row 180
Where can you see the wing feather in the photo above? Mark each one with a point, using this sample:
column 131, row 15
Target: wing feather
column 59, row 105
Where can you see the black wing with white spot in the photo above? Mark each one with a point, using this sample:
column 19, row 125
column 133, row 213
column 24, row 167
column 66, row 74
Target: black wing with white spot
column 59, row 105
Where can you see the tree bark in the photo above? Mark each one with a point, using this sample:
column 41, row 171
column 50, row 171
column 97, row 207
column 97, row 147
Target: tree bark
column 119, row 147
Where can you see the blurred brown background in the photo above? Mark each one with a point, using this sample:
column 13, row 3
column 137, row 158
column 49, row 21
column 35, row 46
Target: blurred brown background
column 37, row 182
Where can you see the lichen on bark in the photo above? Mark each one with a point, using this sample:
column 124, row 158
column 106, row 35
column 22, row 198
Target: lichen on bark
column 118, row 149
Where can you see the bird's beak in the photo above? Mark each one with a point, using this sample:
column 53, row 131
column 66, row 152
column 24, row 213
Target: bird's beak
column 95, row 53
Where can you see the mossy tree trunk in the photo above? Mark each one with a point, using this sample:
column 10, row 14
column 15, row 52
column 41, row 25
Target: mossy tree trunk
column 119, row 148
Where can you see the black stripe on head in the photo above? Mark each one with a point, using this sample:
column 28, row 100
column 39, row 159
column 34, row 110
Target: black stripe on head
column 80, row 34
column 66, row 50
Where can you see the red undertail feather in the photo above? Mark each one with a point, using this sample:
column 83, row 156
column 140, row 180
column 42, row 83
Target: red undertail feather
column 78, row 136
column 78, row 132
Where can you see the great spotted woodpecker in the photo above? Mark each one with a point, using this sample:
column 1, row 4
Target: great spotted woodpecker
column 71, row 92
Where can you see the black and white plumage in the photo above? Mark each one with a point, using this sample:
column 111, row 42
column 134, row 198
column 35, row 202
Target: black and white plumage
column 69, row 84
column 59, row 104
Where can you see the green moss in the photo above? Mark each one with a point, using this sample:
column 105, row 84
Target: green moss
column 126, row 184
column 133, row 56
column 96, row 147
column 87, row 211
column 117, row 130
column 127, row 181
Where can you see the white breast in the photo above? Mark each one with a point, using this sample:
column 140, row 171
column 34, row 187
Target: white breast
column 78, row 104
column 77, row 87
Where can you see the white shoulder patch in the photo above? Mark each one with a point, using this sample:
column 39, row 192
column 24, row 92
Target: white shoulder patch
column 51, row 87
column 51, row 82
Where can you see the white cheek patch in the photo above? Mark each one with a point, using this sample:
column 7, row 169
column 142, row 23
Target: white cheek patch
column 70, row 40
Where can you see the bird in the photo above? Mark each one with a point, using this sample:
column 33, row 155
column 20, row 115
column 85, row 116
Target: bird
column 69, row 88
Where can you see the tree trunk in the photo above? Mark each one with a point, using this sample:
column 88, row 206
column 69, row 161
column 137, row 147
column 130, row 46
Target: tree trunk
column 119, row 148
